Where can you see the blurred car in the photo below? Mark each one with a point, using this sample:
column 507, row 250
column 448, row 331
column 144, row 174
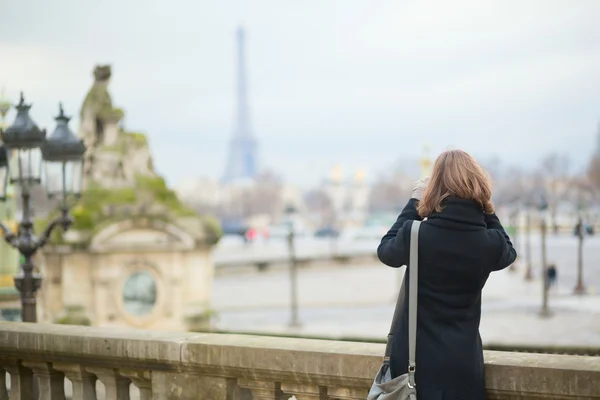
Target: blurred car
column 588, row 229
column 327, row 232
column 234, row 228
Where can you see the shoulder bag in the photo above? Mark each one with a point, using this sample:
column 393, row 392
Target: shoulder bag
column 402, row 387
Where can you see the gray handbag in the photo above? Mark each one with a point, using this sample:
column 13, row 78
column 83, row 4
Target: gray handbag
column 402, row 387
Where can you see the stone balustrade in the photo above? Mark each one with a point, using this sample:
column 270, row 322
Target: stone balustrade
column 163, row 365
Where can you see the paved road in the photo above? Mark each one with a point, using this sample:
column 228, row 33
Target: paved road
column 357, row 300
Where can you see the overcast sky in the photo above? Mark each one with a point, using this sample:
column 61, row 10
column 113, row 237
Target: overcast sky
column 362, row 83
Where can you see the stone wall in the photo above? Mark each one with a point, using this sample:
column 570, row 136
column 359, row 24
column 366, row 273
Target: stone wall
column 232, row 367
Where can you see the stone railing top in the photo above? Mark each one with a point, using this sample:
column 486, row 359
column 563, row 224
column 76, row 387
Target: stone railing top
column 322, row 362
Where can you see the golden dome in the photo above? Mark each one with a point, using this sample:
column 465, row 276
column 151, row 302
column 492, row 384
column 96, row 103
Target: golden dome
column 336, row 174
column 360, row 175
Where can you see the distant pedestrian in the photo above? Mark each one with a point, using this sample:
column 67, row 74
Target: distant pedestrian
column 251, row 235
column 552, row 275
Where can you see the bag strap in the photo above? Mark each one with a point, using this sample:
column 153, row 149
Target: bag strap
column 412, row 301
column 413, row 262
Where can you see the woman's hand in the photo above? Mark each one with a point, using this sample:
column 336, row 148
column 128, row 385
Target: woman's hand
column 419, row 188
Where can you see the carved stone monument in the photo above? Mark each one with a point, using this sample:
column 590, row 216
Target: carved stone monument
column 136, row 256
column 107, row 143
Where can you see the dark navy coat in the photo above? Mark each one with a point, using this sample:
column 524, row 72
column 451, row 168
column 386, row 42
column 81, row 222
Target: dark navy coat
column 458, row 249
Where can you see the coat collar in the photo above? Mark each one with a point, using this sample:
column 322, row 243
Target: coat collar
column 459, row 214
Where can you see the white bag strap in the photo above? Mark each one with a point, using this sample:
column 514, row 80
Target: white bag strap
column 413, row 290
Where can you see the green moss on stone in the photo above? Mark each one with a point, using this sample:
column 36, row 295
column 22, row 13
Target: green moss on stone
column 90, row 213
column 163, row 195
column 202, row 321
column 213, row 229
column 137, row 138
column 126, row 141
column 74, row 315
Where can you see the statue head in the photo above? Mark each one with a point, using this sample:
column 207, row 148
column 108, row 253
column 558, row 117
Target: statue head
column 102, row 73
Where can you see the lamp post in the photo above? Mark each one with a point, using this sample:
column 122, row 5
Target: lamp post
column 580, row 287
column 294, row 320
column 21, row 160
column 528, row 271
column 514, row 219
column 542, row 207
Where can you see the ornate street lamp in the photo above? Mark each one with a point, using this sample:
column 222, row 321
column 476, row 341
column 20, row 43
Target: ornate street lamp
column 542, row 208
column 63, row 156
column 25, row 148
column 290, row 211
column 579, row 287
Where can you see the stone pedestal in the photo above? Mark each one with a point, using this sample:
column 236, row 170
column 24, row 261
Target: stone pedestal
column 141, row 273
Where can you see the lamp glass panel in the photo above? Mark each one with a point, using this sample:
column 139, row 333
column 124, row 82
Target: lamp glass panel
column 77, row 177
column 25, row 165
column 54, row 178
column 14, row 165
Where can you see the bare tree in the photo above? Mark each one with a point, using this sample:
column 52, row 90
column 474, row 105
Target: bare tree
column 555, row 169
column 510, row 188
column 264, row 197
column 582, row 194
column 389, row 193
column 318, row 201
column 593, row 171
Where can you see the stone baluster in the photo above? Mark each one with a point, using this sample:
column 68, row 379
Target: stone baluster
column 84, row 383
column 51, row 382
column 21, row 381
column 262, row 390
column 116, row 386
column 143, row 381
column 3, row 391
column 339, row 393
column 304, row 391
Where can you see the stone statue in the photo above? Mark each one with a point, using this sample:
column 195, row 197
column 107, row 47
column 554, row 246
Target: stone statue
column 114, row 158
column 102, row 73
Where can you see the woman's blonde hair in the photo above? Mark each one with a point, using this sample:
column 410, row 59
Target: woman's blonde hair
column 456, row 174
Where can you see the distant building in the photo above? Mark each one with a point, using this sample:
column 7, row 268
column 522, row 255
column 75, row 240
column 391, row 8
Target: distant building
column 349, row 198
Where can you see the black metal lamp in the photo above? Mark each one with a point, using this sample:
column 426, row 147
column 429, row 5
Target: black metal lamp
column 23, row 140
column 63, row 159
column 21, row 159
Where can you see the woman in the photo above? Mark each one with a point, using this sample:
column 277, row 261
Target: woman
column 460, row 244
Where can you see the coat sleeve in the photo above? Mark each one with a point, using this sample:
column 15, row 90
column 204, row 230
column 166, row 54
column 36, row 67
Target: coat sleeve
column 393, row 249
column 507, row 252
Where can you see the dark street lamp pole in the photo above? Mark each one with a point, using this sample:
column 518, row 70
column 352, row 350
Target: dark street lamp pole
column 294, row 320
column 580, row 287
column 545, row 311
column 25, row 150
column 514, row 220
column 529, row 272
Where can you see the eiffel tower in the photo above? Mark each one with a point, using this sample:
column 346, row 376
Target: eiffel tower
column 242, row 161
